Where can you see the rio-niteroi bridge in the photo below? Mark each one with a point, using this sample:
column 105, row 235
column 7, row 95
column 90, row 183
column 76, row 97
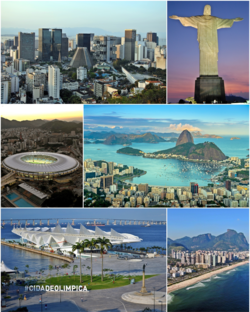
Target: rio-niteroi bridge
column 87, row 221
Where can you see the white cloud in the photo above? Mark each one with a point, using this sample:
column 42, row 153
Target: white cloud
column 181, row 127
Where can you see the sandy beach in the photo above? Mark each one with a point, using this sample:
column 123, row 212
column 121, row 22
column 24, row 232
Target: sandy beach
column 202, row 277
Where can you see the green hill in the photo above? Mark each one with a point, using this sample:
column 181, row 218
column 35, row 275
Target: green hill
column 201, row 151
column 130, row 151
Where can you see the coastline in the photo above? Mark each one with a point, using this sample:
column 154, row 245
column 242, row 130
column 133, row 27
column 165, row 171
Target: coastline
column 202, row 277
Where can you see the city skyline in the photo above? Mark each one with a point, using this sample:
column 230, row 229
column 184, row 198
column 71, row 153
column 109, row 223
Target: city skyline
column 190, row 222
column 62, row 112
column 218, row 120
column 183, row 51
column 151, row 214
column 73, row 9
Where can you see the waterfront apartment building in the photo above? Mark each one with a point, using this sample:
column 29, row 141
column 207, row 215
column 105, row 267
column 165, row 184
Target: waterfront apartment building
column 26, row 44
column 111, row 167
column 107, row 181
column 130, row 38
column 21, row 64
column 99, row 89
column 104, row 48
column 143, row 188
column 54, row 81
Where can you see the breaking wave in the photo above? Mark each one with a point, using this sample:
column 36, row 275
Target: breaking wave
column 196, row 286
column 170, row 298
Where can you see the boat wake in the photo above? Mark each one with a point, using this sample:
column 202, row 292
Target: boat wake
column 196, row 286
column 170, row 298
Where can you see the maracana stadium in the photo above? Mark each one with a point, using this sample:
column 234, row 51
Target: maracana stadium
column 40, row 165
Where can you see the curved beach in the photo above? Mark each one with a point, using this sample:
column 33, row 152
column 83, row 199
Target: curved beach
column 202, row 277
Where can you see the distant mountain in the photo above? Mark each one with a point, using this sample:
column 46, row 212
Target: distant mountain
column 233, row 98
column 61, row 126
column 185, row 137
column 231, row 240
column 176, row 246
column 198, row 134
column 129, row 138
column 114, row 140
column 7, row 124
column 202, row 151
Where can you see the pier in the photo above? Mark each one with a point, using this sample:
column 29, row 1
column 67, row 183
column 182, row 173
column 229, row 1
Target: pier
column 40, row 252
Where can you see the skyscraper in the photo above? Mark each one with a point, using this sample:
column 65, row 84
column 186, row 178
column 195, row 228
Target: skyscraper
column 130, row 38
column 83, row 41
column 16, row 41
column 54, row 81
column 26, row 43
column 65, row 46
column 152, row 37
column 50, row 44
column 228, row 185
column 194, row 188
column 44, row 44
column 56, row 43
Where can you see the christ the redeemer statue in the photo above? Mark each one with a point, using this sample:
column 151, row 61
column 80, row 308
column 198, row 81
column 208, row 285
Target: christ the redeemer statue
column 209, row 86
column 207, row 26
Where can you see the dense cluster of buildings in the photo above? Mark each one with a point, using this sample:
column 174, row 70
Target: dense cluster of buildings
column 188, row 261
column 99, row 177
column 30, row 73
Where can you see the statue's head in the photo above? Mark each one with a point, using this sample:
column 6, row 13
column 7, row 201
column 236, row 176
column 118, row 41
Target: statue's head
column 207, row 10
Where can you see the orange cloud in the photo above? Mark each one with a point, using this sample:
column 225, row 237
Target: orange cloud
column 181, row 127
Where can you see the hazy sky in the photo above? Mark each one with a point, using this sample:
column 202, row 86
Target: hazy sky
column 134, row 214
column 113, row 16
column 183, row 48
column 48, row 112
column 209, row 119
column 193, row 222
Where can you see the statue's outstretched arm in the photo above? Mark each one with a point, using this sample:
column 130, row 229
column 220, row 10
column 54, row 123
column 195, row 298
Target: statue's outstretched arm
column 238, row 19
column 174, row 17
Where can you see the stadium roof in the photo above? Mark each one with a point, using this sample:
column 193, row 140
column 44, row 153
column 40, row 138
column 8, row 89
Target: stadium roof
column 61, row 163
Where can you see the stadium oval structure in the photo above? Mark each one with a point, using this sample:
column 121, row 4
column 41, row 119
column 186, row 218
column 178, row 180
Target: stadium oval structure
column 40, row 165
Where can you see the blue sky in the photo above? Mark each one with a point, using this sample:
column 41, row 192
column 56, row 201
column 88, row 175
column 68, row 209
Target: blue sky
column 209, row 119
column 111, row 16
column 134, row 214
column 193, row 222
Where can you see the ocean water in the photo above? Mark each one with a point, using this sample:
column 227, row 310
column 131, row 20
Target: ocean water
column 228, row 291
column 155, row 235
column 168, row 172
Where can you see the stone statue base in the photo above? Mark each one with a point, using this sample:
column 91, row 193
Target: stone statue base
column 208, row 89
column 157, row 298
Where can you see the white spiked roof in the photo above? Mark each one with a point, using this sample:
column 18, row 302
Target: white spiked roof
column 4, row 268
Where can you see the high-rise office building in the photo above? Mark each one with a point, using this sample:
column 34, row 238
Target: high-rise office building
column 50, row 44
column 152, row 37
column 16, row 41
column 194, row 188
column 26, row 44
column 130, row 38
column 8, row 43
column 138, row 37
column 83, row 41
column 56, row 43
column 65, row 46
column 228, row 185
column 107, row 181
column 104, row 48
column 54, row 81
column 44, row 45
column 5, row 90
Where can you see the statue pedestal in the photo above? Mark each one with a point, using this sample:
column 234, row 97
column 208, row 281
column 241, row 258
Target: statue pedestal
column 208, row 89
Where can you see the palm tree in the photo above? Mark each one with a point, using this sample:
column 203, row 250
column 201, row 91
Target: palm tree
column 104, row 244
column 15, row 268
column 80, row 247
column 74, row 269
column 91, row 245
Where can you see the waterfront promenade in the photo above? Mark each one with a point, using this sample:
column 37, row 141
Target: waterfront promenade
column 37, row 251
column 202, row 277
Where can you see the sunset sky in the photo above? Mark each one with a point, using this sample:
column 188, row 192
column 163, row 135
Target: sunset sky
column 48, row 112
column 183, row 48
column 209, row 119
